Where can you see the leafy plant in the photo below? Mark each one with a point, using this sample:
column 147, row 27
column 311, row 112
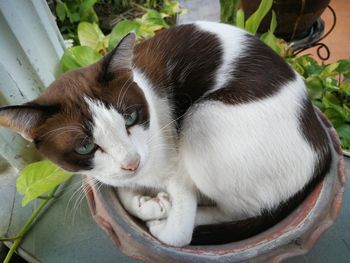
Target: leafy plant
column 253, row 22
column 38, row 178
column 329, row 89
column 228, row 9
column 70, row 13
column 34, row 181
column 94, row 44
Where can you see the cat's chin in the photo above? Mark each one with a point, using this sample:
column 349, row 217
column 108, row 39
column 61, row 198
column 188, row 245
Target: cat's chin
column 118, row 180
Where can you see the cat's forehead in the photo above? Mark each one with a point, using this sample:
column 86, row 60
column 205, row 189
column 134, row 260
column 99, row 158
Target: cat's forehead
column 73, row 86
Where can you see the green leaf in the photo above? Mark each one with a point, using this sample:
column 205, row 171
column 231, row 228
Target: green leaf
column 86, row 5
column 299, row 68
column 89, row 34
column 344, row 66
column 330, row 84
column 77, row 57
column 318, row 104
column 344, row 131
column 306, row 61
column 240, row 18
column 60, row 11
column 120, row 30
column 345, row 88
column 313, row 69
column 153, row 20
column 329, row 100
column 253, row 22
column 170, row 7
column 74, row 17
column 315, row 87
column 273, row 24
column 329, row 70
column 269, row 38
column 334, row 116
column 38, row 178
column 346, row 110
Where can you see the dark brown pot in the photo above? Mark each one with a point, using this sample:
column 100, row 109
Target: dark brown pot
column 294, row 235
column 300, row 14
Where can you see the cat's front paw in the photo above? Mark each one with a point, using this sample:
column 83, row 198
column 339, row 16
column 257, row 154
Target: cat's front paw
column 149, row 208
column 169, row 235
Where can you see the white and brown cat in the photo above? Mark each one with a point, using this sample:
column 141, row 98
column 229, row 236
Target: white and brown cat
column 202, row 109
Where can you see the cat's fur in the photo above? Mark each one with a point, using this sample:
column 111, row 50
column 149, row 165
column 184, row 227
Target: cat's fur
column 220, row 114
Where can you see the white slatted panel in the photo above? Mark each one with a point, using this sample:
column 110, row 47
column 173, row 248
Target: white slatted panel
column 30, row 48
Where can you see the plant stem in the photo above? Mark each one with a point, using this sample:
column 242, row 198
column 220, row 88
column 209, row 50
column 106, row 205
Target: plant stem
column 9, row 238
column 27, row 225
column 140, row 7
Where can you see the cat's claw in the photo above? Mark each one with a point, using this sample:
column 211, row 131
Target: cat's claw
column 149, row 208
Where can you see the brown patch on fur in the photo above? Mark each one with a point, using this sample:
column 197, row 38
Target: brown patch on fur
column 258, row 74
column 180, row 62
column 317, row 137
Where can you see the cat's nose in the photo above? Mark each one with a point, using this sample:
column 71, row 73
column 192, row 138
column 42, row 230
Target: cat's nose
column 132, row 163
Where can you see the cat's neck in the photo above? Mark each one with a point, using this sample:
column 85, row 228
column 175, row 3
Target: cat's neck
column 162, row 138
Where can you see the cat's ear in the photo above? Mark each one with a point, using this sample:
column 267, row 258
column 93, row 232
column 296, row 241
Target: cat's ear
column 23, row 119
column 120, row 58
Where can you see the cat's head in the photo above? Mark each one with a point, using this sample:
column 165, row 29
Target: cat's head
column 93, row 120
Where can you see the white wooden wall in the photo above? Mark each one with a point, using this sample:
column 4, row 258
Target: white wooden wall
column 30, row 48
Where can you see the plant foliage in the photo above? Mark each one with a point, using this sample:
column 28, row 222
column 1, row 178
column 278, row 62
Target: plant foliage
column 39, row 178
column 71, row 13
column 329, row 89
column 94, row 44
column 253, row 22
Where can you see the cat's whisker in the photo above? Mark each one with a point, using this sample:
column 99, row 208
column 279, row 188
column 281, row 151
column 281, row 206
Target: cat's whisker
column 131, row 106
column 165, row 126
column 162, row 130
column 69, row 128
column 126, row 90
column 119, row 102
column 74, row 195
column 80, row 198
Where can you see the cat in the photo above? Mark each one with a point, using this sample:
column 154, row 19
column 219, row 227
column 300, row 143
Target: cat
column 201, row 111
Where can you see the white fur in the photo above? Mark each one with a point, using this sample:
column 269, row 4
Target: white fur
column 233, row 45
column 255, row 150
column 245, row 157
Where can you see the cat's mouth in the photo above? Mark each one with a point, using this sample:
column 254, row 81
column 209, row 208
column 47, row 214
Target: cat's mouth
column 126, row 175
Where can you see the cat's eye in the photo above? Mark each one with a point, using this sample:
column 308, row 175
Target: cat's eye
column 86, row 148
column 130, row 118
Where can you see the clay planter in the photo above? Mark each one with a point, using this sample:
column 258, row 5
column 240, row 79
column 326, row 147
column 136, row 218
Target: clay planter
column 294, row 235
column 300, row 14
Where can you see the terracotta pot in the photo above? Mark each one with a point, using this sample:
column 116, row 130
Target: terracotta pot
column 294, row 235
column 289, row 13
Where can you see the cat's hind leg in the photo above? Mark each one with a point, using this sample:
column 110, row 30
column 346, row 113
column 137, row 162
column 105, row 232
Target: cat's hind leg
column 207, row 215
column 145, row 207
